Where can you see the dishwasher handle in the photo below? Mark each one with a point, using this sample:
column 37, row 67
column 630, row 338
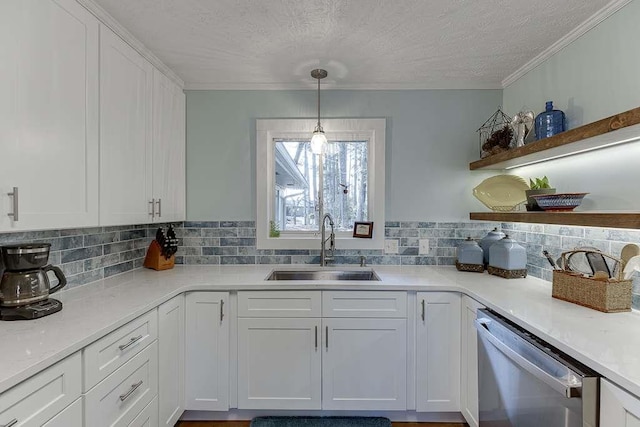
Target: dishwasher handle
column 562, row 387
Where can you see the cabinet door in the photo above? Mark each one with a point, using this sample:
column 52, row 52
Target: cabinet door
column 438, row 352
column 48, row 114
column 617, row 407
column 279, row 363
column 364, row 364
column 126, row 81
column 207, row 351
column 469, row 362
column 168, row 149
column 171, row 360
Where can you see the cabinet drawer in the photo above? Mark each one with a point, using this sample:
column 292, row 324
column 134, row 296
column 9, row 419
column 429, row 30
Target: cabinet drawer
column 70, row 417
column 279, row 304
column 364, row 304
column 148, row 417
column 38, row 399
column 111, row 351
column 119, row 399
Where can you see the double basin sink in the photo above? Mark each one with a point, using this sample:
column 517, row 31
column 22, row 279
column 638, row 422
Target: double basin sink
column 366, row 275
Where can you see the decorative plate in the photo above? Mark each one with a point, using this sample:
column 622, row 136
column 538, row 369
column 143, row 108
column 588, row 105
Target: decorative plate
column 502, row 193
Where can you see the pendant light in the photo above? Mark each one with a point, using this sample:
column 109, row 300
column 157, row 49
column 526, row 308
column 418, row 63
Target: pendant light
column 318, row 140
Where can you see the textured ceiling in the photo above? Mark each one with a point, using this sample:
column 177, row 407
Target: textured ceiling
column 253, row 44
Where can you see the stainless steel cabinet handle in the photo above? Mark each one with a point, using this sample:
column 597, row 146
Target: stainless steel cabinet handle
column 327, row 340
column 15, row 217
column 131, row 342
column 159, row 202
column 221, row 310
column 133, row 388
column 152, row 202
column 423, row 310
column 10, row 423
column 316, row 337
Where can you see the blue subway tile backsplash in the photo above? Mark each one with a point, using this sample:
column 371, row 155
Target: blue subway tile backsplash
column 90, row 254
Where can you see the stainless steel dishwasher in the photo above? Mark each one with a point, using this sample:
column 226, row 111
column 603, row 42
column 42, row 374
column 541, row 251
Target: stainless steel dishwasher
column 524, row 382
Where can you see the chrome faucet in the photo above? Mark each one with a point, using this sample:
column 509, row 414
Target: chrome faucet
column 323, row 242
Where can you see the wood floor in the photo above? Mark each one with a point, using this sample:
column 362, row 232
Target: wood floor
column 246, row 424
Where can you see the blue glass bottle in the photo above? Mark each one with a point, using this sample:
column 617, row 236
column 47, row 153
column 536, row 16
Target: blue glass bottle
column 550, row 122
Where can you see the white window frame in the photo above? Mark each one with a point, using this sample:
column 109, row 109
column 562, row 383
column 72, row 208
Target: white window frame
column 269, row 130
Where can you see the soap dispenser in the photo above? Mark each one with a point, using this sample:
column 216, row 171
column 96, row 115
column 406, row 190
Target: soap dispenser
column 470, row 256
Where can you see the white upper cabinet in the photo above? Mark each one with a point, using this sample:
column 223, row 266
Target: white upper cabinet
column 126, row 83
column 168, row 149
column 48, row 115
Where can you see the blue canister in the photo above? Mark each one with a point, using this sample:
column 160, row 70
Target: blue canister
column 507, row 254
column 470, row 253
column 550, row 122
column 489, row 240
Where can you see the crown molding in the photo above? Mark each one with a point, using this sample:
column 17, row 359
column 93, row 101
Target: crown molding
column 569, row 38
column 108, row 20
column 435, row 85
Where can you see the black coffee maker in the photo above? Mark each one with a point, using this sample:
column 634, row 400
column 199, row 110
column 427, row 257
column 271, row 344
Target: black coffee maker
column 25, row 285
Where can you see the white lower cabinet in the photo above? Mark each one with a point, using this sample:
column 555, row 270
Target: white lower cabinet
column 617, row 407
column 469, row 362
column 207, row 351
column 119, row 398
column 349, row 362
column 364, row 364
column 171, row 342
column 42, row 397
column 148, row 417
column 438, row 352
column 279, row 363
column 71, row 416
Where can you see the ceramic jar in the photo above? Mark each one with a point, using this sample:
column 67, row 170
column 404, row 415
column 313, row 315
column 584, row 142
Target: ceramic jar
column 469, row 252
column 507, row 254
column 489, row 240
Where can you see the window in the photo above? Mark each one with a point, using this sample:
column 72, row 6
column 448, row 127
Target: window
column 295, row 187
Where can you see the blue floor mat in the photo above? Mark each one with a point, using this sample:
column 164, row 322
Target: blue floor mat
column 320, row 422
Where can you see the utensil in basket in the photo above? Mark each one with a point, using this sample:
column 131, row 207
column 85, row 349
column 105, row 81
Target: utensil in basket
column 609, row 295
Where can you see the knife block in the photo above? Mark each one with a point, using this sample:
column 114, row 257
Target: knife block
column 155, row 260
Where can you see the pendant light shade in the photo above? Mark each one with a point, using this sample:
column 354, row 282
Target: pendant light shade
column 318, row 140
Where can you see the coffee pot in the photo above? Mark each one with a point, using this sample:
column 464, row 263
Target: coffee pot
column 25, row 280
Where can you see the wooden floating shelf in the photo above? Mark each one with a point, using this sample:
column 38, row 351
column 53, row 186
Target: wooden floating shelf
column 584, row 219
column 614, row 130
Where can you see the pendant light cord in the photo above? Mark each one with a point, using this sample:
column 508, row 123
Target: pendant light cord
column 319, row 104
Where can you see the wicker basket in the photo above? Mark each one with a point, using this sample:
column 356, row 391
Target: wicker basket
column 611, row 296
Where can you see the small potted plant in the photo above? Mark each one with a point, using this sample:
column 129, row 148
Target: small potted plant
column 274, row 230
column 538, row 186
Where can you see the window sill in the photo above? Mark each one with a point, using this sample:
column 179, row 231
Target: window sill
column 305, row 242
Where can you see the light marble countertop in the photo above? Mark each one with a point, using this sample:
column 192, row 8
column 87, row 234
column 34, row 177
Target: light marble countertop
column 605, row 342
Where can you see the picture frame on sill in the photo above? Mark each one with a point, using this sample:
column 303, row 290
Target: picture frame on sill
column 363, row 230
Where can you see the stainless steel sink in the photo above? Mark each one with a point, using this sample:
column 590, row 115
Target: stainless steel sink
column 322, row 275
